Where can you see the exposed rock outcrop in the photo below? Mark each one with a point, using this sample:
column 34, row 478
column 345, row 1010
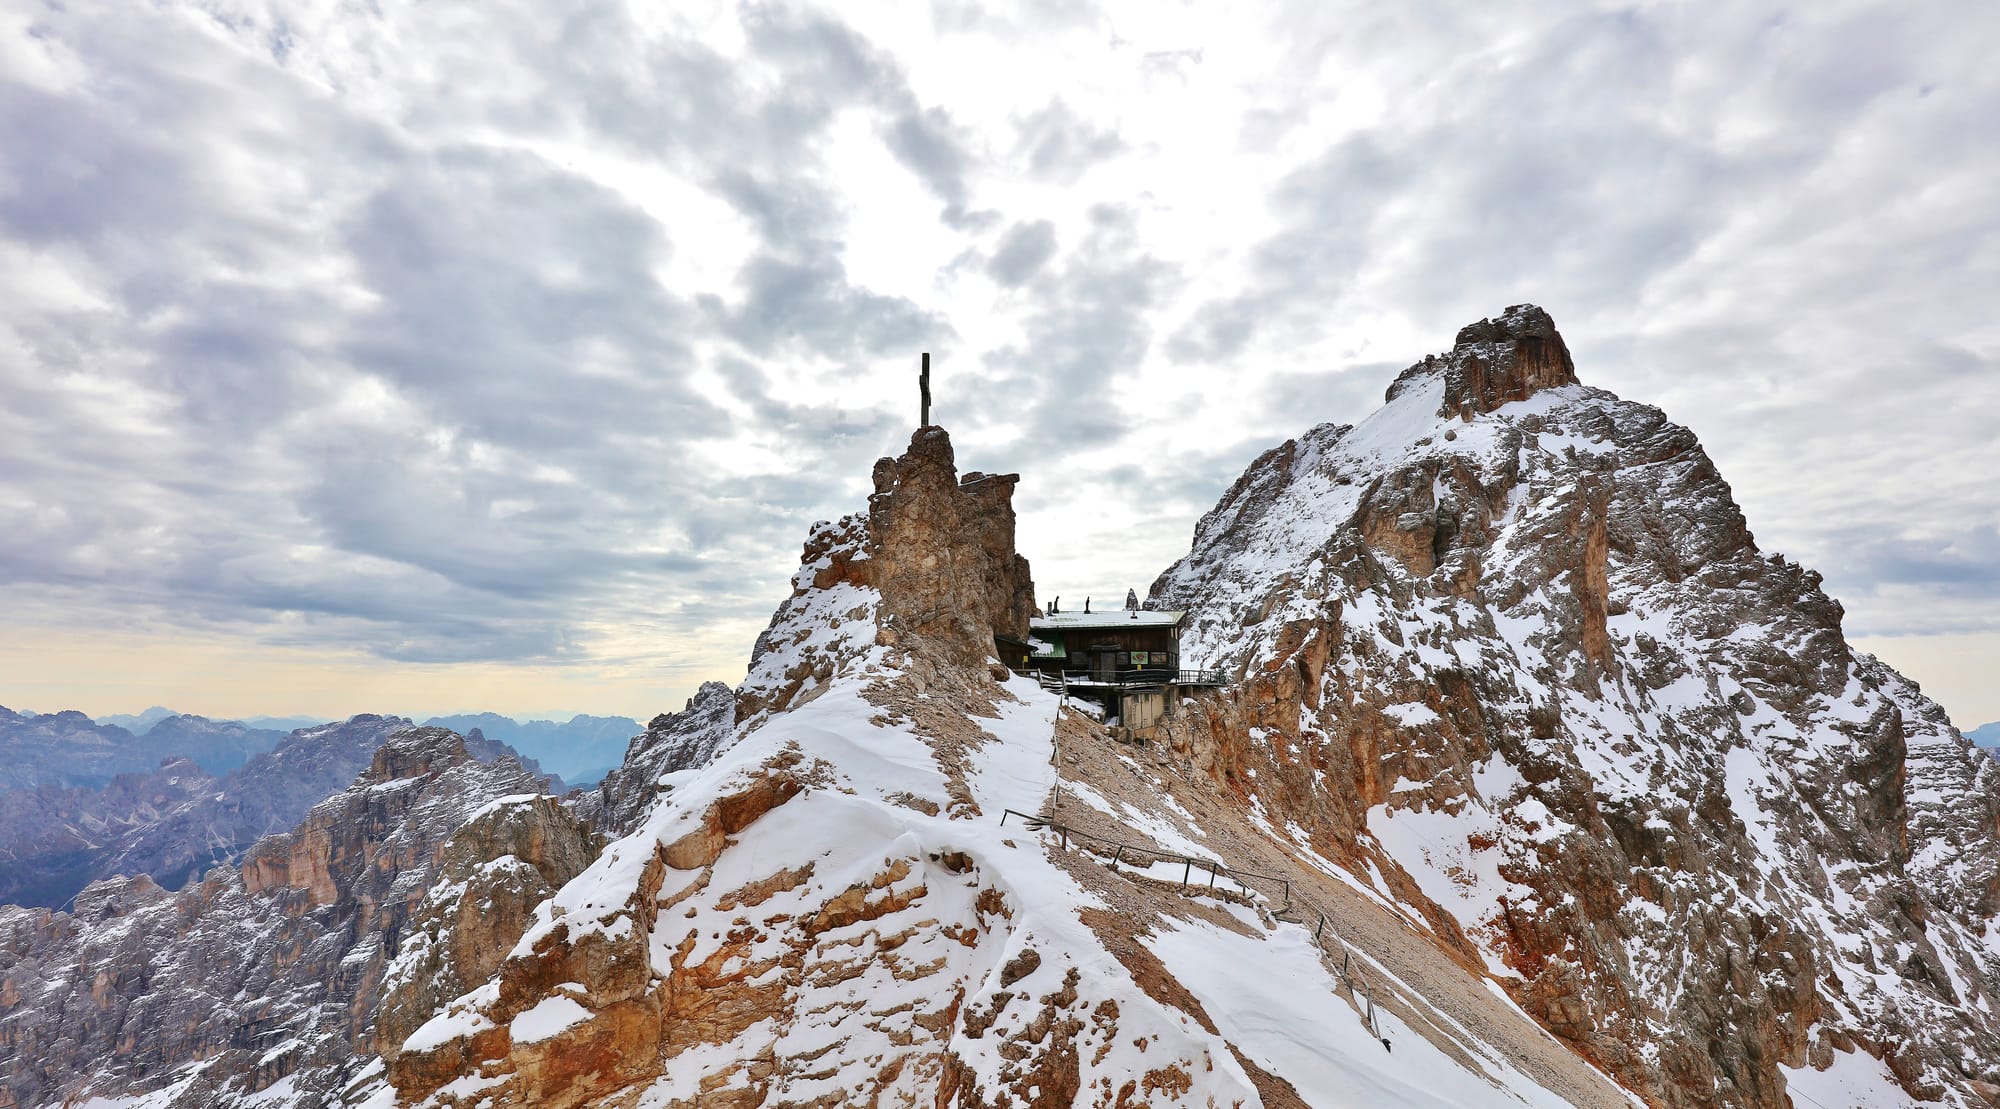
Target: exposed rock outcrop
column 1495, row 362
column 251, row 977
column 672, row 742
column 490, row 876
column 942, row 553
column 929, row 569
column 1510, row 644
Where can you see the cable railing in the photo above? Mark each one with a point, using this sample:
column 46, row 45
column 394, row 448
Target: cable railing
column 1192, row 868
column 1351, row 975
column 1347, row 968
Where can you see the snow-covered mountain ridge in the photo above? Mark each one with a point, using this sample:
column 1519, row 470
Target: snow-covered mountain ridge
column 1536, row 784
column 1509, row 644
column 832, row 911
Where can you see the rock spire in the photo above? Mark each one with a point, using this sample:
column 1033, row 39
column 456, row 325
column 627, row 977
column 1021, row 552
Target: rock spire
column 1495, row 361
column 930, row 568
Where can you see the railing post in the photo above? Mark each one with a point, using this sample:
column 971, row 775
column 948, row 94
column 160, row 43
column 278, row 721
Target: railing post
column 1117, row 855
column 1187, row 870
column 1211, row 873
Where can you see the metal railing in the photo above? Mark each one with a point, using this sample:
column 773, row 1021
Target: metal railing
column 1351, row 975
column 1347, row 969
column 1138, row 676
column 1131, row 853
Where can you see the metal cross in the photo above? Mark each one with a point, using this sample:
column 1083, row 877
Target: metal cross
column 924, row 386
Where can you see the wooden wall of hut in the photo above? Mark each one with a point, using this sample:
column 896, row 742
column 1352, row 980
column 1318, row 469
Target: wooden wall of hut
column 1128, row 639
column 1012, row 652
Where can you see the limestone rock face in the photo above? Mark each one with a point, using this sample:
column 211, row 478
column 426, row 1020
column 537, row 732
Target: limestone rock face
column 671, row 743
column 261, row 979
column 944, row 553
column 930, row 568
column 490, row 876
column 832, row 910
column 1510, row 645
column 1494, row 362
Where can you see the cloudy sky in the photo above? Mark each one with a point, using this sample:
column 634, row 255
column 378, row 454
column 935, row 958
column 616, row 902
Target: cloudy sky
column 415, row 357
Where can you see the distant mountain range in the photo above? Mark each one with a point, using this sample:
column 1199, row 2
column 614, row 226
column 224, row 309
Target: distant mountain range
column 71, row 749
column 1986, row 737
column 581, row 750
column 137, row 723
column 174, row 822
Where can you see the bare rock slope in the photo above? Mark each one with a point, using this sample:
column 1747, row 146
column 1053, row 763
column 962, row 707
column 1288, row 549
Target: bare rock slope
column 176, row 822
column 257, row 984
column 1508, row 649
column 832, row 911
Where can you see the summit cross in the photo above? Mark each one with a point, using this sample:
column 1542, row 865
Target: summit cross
column 924, row 387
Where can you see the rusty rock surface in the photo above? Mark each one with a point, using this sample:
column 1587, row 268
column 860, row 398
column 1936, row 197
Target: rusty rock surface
column 1510, row 642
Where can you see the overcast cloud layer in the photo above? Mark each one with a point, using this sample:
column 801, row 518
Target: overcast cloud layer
column 530, row 334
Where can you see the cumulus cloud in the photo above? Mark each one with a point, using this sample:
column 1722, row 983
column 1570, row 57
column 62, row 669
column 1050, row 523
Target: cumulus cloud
column 449, row 336
column 1023, row 251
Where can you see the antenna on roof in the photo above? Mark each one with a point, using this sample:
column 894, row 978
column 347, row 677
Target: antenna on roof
column 924, row 387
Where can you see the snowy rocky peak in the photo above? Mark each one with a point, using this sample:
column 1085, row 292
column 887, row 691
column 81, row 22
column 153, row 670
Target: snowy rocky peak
column 846, row 905
column 944, row 552
column 1496, row 361
column 506, row 859
column 414, row 752
column 930, row 569
column 1507, row 645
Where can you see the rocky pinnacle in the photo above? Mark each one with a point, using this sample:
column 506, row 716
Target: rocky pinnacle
column 1495, row 361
